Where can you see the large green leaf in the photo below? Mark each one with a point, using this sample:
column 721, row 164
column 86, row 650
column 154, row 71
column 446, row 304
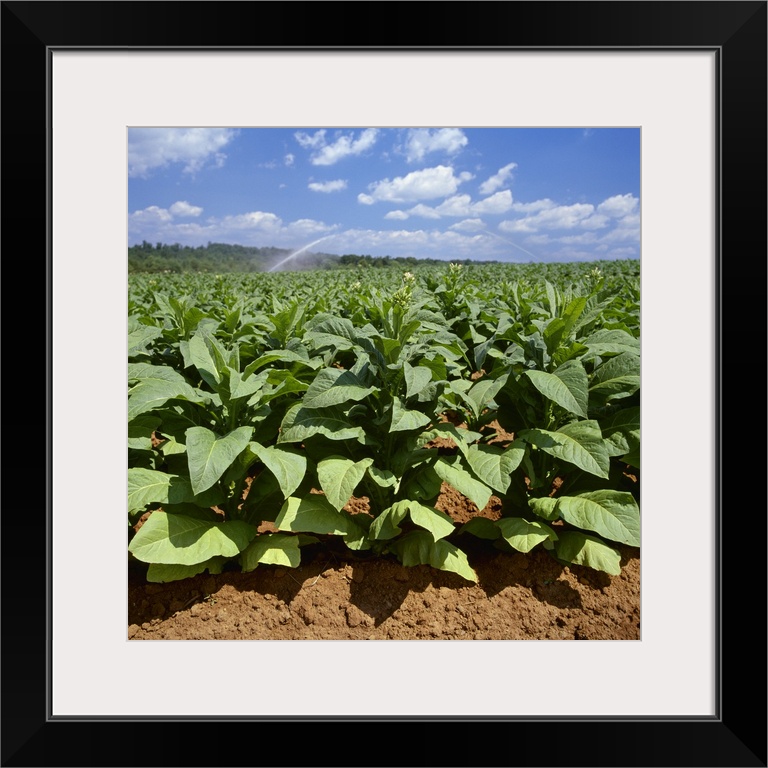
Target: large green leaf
column 404, row 419
column 611, row 342
column 271, row 549
column 148, row 486
column 616, row 378
column 451, row 472
column 567, row 386
column 162, row 573
column 387, row 524
column 314, row 514
column 545, row 507
column 332, row 387
column 482, row 527
column 436, row 522
column 208, row 355
column 156, row 385
column 302, row 423
column 493, row 465
column 613, row 514
column 418, row 548
column 241, row 386
column 140, row 338
column 524, row 535
column 288, row 468
column 209, row 456
column 140, row 432
column 622, row 433
column 329, row 331
column 482, row 392
column 182, row 540
column 580, row 443
column 416, row 378
column 339, row 477
column 582, row 549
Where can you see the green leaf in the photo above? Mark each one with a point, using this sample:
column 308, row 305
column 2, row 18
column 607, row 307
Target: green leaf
column 611, row 342
column 617, row 377
column 148, row 486
column 155, row 386
column 271, row 549
column 481, row 527
column 208, row 356
column 384, row 478
column 332, row 387
column 579, row 443
column 209, row 456
column 330, row 331
column 524, row 535
column 493, row 465
column 581, row 549
column 482, row 392
column 451, row 472
column 418, row 548
column 416, row 379
column 387, row 524
column 404, row 420
column 567, row 386
column 621, row 430
column 436, row 522
column 182, row 540
column 159, row 573
column 140, row 338
column 545, row 507
column 140, row 432
column 314, row 514
column 288, row 468
column 244, row 386
column 300, row 424
column 613, row 514
column 339, row 477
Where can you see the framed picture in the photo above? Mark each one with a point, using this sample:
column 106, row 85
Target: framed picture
column 691, row 76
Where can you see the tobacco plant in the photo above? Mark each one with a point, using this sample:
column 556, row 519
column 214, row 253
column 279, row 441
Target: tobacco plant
column 254, row 422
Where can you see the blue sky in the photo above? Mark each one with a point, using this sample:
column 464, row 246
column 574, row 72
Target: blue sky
column 508, row 194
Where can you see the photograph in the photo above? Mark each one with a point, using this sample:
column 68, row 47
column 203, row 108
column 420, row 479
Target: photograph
column 384, row 383
column 381, row 310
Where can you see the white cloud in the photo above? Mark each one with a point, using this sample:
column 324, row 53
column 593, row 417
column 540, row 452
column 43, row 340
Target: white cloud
column 559, row 217
column 618, row 205
column 397, row 215
column 534, row 207
column 498, row 180
column 289, row 159
column 426, row 184
column 328, row 186
column 501, row 202
column 344, row 146
column 183, row 208
column 310, row 142
column 259, row 220
column 424, row 211
column 462, row 205
column 468, row 225
column 422, row 141
column 596, row 221
column 151, row 214
column 151, row 148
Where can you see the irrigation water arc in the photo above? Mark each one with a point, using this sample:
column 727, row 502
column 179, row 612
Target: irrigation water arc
column 294, row 254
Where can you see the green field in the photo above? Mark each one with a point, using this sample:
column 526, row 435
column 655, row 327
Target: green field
column 278, row 397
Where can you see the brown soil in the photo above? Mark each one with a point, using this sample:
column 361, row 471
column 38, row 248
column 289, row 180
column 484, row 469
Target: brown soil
column 333, row 596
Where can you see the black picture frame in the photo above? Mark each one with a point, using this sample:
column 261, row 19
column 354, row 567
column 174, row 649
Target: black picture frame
column 736, row 736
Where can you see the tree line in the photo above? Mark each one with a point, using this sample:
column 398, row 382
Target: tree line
column 225, row 257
